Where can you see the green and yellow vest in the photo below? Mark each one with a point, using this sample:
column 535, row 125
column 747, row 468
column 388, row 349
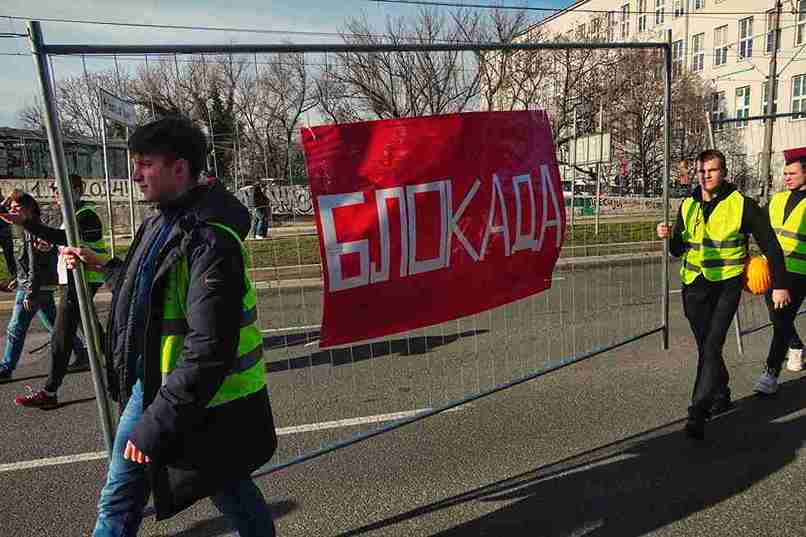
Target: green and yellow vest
column 791, row 233
column 99, row 246
column 248, row 375
column 716, row 249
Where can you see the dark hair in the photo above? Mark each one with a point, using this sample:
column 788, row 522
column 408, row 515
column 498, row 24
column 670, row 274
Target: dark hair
column 25, row 200
column 76, row 181
column 710, row 154
column 174, row 138
column 799, row 158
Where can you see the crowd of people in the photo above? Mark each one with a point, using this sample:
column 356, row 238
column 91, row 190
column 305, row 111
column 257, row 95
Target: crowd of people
column 183, row 353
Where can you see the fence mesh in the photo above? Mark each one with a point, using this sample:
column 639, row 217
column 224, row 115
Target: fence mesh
column 606, row 289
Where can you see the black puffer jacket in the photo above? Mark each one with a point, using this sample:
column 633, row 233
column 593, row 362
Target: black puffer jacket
column 196, row 451
column 35, row 269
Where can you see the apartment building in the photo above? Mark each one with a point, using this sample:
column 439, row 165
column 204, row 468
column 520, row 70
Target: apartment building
column 727, row 42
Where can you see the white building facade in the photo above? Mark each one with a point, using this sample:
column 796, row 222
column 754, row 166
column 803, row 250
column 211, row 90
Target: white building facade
column 726, row 42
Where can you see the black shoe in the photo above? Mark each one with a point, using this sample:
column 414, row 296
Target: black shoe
column 722, row 405
column 81, row 364
column 695, row 424
column 5, row 374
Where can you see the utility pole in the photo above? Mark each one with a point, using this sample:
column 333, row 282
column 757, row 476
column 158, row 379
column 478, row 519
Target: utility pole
column 772, row 84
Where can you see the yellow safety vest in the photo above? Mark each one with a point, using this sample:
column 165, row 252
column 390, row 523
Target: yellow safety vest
column 716, row 249
column 791, row 233
column 248, row 375
column 99, row 246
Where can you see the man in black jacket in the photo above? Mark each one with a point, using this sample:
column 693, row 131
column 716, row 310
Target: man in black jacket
column 68, row 317
column 710, row 234
column 36, row 283
column 184, row 355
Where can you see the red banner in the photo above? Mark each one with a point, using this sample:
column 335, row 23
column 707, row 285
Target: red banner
column 429, row 219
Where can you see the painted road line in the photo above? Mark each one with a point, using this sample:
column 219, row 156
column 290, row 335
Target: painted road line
column 296, row 429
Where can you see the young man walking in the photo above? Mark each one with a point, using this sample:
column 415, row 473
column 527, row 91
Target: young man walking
column 787, row 214
column 711, row 236
column 184, row 352
column 68, row 316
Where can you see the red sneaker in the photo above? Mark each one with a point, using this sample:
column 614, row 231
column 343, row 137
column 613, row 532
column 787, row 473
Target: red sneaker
column 38, row 399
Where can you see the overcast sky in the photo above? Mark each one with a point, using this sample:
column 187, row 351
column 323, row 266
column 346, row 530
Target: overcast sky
column 18, row 84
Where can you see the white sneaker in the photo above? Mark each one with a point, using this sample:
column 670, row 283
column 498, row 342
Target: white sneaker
column 767, row 384
column 259, row 237
column 794, row 359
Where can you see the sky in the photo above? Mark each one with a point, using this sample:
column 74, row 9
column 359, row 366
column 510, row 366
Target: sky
column 18, row 84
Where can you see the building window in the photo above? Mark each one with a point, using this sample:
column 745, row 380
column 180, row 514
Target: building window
column 697, row 53
column 641, row 15
column 593, row 28
column 677, row 57
column 746, row 38
column 800, row 36
column 721, row 45
column 699, row 4
column 799, row 96
column 580, row 33
column 625, row 21
column 773, row 38
column 765, row 98
column 660, row 7
column 742, row 105
column 718, row 109
column 611, row 24
column 678, row 8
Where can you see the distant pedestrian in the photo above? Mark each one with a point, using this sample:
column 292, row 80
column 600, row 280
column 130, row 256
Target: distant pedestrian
column 36, row 284
column 185, row 355
column 7, row 243
column 262, row 213
column 711, row 236
column 90, row 230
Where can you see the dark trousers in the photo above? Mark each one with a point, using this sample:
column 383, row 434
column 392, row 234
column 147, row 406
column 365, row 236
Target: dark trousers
column 68, row 318
column 783, row 327
column 7, row 244
column 710, row 307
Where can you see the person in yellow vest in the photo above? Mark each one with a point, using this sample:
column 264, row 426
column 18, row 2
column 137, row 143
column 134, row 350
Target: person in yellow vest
column 184, row 352
column 711, row 236
column 787, row 214
column 68, row 318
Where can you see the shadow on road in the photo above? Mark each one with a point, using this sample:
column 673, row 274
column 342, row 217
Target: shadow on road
column 220, row 526
column 13, row 380
column 346, row 355
column 640, row 483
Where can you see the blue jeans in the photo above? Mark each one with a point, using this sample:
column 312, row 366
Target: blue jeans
column 123, row 498
column 20, row 321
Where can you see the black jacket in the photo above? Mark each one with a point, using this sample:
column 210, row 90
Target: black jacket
column 754, row 222
column 35, row 268
column 196, row 451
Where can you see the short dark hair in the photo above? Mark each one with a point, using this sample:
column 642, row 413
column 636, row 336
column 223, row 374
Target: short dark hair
column 710, row 154
column 174, row 137
column 76, row 181
column 25, row 200
column 799, row 158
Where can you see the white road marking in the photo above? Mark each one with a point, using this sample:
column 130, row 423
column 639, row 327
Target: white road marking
column 296, row 429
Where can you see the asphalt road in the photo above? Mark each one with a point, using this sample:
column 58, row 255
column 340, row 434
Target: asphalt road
column 593, row 449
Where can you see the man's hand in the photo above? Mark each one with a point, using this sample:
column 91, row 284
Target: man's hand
column 132, row 453
column 72, row 256
column 13, row 218
column 664, row 230
column 30, row 304
column 780, row 298
column 42, row 245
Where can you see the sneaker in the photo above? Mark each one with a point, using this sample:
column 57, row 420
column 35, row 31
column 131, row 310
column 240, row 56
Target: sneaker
column 38, row 399
column 767, row 383
column 259, row 237
column 5, row 374
column 794, row 359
